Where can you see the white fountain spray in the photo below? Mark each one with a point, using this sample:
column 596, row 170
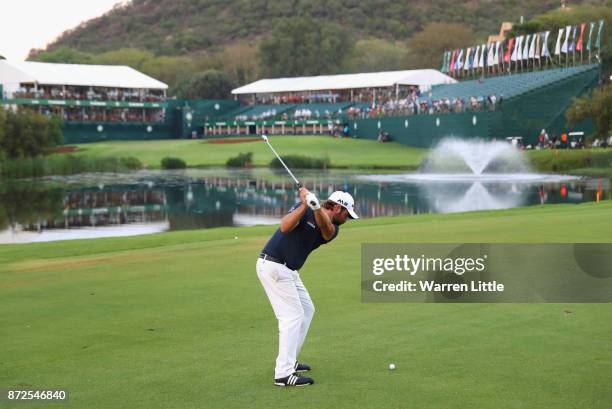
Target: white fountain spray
column 464, row 175
column 459, row 156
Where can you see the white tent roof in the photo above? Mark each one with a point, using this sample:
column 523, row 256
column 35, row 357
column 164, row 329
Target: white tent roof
column 111, row 76
column 425, row 78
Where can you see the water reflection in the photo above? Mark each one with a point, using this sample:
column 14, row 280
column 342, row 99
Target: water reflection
column 118, row 205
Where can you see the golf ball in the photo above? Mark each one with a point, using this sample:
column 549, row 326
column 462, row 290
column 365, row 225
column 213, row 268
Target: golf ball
column 235, row 237
column 392, row 366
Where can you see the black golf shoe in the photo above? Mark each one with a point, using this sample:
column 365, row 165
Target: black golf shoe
column 294, row 380
column 300, row 367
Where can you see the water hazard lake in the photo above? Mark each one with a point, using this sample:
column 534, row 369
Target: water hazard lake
column 110, row 205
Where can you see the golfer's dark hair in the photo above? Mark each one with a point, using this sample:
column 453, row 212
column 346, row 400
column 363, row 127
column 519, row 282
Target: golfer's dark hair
column 328, row 204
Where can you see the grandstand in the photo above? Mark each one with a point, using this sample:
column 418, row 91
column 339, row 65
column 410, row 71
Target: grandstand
column 508, row 86
column 91, row 99
column 84, row 93
column 517, row 104
column 316, row 105
column 362, row 87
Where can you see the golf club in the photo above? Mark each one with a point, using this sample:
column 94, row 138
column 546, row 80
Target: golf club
column 310, row 198
column 297, row 182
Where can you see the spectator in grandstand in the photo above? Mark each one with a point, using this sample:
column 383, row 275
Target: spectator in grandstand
column 492, row 101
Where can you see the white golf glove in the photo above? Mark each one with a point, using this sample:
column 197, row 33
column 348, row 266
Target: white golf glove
column 312, row 201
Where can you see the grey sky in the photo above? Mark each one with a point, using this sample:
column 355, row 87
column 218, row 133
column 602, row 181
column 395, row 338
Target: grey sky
column 27, row 24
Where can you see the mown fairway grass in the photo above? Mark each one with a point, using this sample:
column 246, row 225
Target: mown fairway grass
column 342, row 152
column 179, row 320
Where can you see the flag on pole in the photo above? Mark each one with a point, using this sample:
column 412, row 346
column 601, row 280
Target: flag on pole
column 452, row 62
column 572, row 46
column 532, row 46
column 460, row 60
column 499, row 55
column 579, row 42
column 466, row 66
column 545, row 52
column 482, row 53
column 568, row 30
column 526, row 47
column 472, row 57
column 476, row 57
column 558, row 46
column 538, row 50
column 591, row 28
column 598, row 41
column 509, row 50
column 443, row 68
column 517, row 46
column 491, row 59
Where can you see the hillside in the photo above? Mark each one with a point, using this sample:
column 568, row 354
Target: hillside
column 178, row 27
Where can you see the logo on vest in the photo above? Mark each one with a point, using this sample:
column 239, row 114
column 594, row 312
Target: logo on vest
column 311, row 224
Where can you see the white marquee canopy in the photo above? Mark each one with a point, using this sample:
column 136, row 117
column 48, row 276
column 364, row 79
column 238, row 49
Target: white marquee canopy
column 13, row 73
column 423, row 78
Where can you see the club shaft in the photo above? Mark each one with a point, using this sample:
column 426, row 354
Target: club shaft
column 283, row 163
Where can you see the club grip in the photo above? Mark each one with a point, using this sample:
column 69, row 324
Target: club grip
column 299, row 185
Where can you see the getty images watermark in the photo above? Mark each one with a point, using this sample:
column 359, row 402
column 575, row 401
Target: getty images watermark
column 396, row 272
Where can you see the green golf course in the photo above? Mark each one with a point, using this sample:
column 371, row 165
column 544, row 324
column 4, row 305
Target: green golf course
column 341, row 152
column 179, row 320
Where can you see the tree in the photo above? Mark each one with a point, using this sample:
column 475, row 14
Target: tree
column 28, row 133
column 598, row 106
column 428, row 46
column 303, row 46
column 376, row 54
column 169, row 69
column 132, row 57
column 2, row 127
column 239, row 61
column 210, row 84
column 63, row 55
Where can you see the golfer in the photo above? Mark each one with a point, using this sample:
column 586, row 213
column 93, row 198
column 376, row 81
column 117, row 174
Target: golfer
column 307, row 225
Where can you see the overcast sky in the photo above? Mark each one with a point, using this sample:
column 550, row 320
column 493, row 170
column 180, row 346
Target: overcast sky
column 27, row 24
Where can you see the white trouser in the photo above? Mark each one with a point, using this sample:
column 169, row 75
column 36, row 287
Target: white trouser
column 293, row 309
